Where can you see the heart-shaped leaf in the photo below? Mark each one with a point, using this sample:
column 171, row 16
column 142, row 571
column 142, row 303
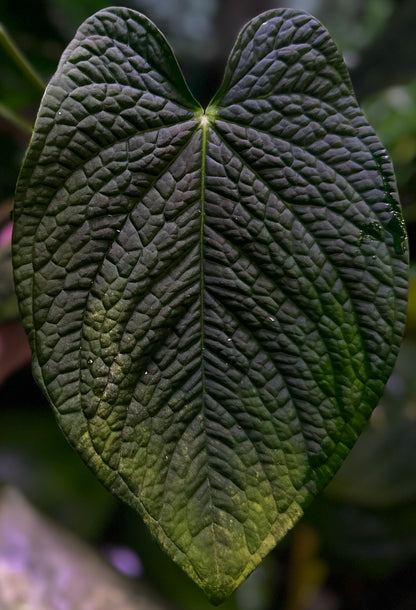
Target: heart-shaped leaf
column 214, row 299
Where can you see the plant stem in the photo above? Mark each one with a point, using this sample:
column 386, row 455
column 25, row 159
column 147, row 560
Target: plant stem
column 11, row 49
column 15, row 119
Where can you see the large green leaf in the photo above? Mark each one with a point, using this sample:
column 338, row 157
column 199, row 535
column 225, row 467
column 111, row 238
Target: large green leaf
column 214, row 299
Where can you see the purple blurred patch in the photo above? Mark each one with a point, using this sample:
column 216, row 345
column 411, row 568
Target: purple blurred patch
column 124, row 560
column 5, row 235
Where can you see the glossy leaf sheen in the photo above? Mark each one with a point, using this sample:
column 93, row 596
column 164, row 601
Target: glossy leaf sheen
column 214, row 300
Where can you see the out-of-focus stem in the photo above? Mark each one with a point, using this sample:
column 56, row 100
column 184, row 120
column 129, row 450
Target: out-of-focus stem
column 19, row 59
column 15, row 119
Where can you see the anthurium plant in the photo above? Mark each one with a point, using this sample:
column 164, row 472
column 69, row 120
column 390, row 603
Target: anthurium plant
column 214, row 298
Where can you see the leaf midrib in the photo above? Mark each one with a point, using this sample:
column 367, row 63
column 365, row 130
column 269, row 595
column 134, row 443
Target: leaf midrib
column 204, row 123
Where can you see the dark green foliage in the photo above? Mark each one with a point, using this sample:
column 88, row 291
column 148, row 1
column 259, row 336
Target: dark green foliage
column 214, row 299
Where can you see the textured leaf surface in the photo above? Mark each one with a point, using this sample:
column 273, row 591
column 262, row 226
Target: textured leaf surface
column 214, row 300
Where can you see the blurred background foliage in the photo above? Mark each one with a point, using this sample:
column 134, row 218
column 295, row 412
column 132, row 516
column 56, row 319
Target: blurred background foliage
column 356, row 546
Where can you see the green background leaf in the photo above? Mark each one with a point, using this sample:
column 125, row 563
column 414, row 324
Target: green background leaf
column 214, row 300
